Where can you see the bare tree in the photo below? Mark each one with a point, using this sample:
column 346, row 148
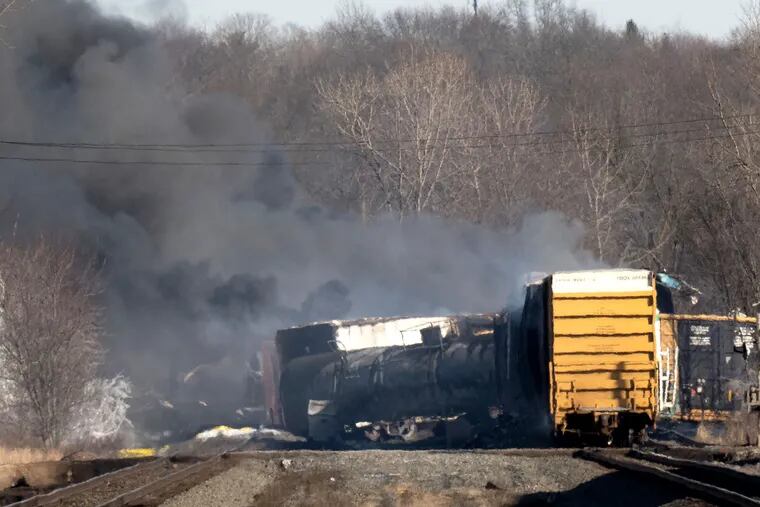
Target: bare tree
column 431, row 137
column 730, row 178
column 50, row 336
column 5, row 8
column 506, row 185
column 404, row 125
column 748, row 31
column 604, row 176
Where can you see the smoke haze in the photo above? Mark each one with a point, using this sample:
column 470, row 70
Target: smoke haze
column 203, row 262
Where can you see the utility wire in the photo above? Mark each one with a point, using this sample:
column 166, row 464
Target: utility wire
column 663, row 133
column 626, row 147
column 219, row 147
column 576, row 149
column 453, row 143
column 153, row 162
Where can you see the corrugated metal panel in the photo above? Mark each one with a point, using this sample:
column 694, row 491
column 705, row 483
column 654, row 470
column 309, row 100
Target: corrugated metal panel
column 603, row 326
column 604, row 351
column 387, row 333
column 582, row 305
column 602, row 344
column 348, row 335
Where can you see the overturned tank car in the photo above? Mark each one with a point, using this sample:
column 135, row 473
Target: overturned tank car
column 384, row 378
column 440, row 377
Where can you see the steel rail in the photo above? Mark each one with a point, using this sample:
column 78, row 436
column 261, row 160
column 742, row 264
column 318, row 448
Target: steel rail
column 664, row 459
column 164, row 484
column 516, row 452
column 737, row 480
column 640, row 465
column 61, row 494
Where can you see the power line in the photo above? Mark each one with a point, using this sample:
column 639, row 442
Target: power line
column 576, row 149
column 438, row 142
column 156, row 148
column 630, row 136
column 153, row 162
column 229, row 148
column 626, row 147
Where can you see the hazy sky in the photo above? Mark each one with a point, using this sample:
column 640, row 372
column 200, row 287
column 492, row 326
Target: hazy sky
column 708, row 17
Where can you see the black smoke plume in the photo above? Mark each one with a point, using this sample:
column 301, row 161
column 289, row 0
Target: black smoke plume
column 204, row 261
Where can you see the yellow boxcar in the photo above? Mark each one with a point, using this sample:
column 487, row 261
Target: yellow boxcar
column 603, row 364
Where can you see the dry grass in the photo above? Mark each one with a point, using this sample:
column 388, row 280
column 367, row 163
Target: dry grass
column 743, row 429
column 740, row 429
column 23, row 456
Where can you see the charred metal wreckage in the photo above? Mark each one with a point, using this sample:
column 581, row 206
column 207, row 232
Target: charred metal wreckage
column 421, row 373
column 591, row 355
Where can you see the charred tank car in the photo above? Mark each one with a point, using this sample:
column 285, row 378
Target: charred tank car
column 443, row 381
column 451, row 380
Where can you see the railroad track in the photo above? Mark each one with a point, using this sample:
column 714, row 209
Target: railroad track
column 151, row 483
column 60, row 496
column 142, row 484
column 713, row 482
column 155, row 492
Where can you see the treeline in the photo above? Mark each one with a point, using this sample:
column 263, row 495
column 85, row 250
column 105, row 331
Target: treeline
column 647, row 139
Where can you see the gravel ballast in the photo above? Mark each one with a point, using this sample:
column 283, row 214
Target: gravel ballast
column 381, row 478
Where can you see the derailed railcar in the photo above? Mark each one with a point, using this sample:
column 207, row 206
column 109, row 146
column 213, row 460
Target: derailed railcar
column 709, row 366
column 597, row 330
column 390, row 372
column 402, row 391
column 580, row 359
column 483, row 386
